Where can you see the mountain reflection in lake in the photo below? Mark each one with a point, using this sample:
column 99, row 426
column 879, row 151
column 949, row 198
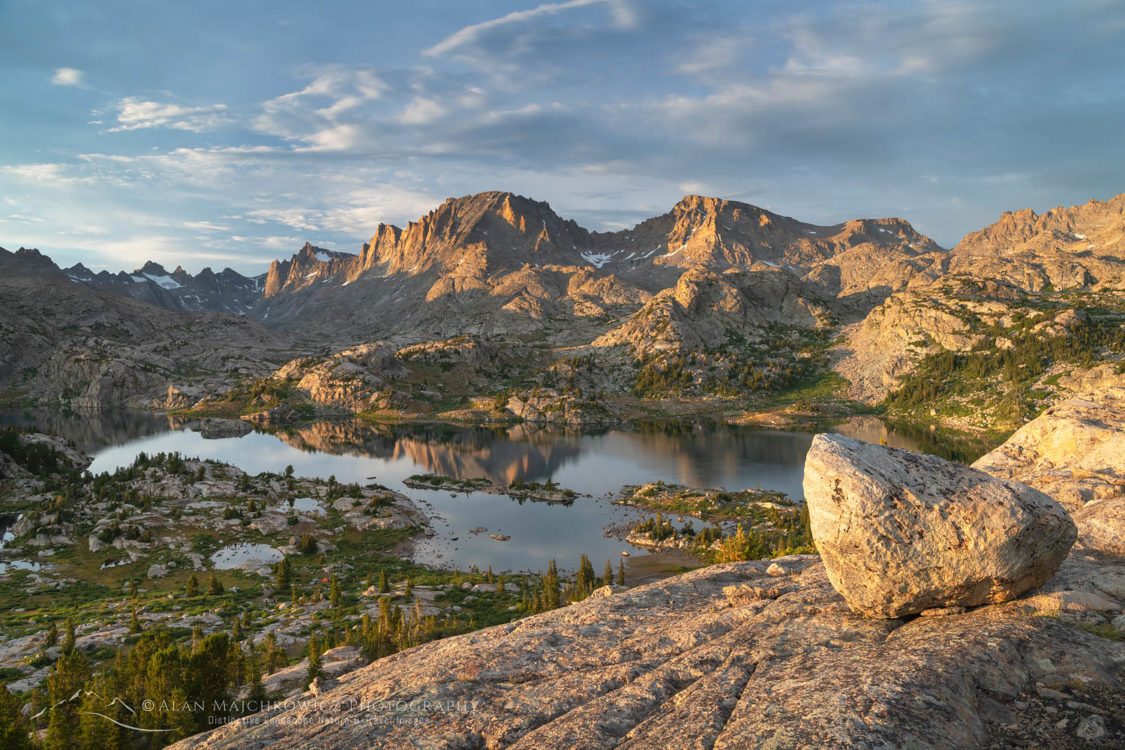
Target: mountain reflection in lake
column 701, row 454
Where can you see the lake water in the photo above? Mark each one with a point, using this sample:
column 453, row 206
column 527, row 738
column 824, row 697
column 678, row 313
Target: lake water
column 699, row 454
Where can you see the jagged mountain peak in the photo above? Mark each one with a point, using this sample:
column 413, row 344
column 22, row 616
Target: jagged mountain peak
column 153, row 268
column 477, row 233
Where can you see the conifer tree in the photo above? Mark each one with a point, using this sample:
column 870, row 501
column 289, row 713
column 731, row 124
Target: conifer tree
column 621, row 573
column 68, row 637
column 334, row 596
column 94, row 731
column 192, row 586
column 314, row 660
column 282, row 575
column 384, row 584
column 257, row 690
column 13, row 727
column 69, row 676
column 607, row 576
column 135, row 622
column 214, row 586
column 273, row 657
column 52, row 635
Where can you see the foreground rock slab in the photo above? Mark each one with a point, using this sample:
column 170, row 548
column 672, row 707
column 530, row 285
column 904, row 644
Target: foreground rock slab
column 699, row 661
column 903, row 532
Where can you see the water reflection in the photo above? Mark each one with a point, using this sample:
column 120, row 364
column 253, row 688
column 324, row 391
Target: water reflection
column 696, row 453
column 90, row 431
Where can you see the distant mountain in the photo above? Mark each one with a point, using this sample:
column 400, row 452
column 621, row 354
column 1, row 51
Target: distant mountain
column 496, row 295
column 496, row 262
column 207, row 291
column 1061, row 248
column 62, row 341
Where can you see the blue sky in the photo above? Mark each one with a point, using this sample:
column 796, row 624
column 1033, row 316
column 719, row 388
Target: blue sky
column 229, row 133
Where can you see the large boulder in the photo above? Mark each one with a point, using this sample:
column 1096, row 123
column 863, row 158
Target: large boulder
column 903, row 532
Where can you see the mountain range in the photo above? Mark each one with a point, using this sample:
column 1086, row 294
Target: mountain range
column 711, row 292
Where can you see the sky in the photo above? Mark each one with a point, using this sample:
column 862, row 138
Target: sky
column 229, row 133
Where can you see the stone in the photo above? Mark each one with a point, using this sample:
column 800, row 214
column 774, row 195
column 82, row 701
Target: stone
column 1101, row 525
column 1091, row 728
column 1074, row 451
column 776, row 570
column 902, row 532
column 672, row 664
column 157, row 571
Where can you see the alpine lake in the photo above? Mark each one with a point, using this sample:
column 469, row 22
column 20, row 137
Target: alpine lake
column 487, row 530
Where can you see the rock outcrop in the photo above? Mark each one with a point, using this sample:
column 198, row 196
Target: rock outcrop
column 728, row 656
column 1074, row 451
column 902, row 532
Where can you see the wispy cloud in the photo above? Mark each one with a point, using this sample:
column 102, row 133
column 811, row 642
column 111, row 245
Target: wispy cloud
column 67, row 77
column 478, row 32
column 135, row 114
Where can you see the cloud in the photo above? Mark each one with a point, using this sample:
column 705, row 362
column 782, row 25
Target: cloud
column 327, row 114
column 479, row 32
column 421, row 110
column 48, row 173
column 67, row 77
column 136, row 114
column 207, row 226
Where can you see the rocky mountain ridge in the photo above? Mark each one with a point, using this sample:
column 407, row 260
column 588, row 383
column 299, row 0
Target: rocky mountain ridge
column 63, row 342
column 713, row 298
column 207, row 291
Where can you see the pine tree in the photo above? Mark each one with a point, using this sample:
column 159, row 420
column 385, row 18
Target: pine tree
column 282, row 575
column 551, row 596
column 192, row 586
column 52, row 638
column 94, row 731
column 273, row 655
column 584, row 581
column 314, row 660
column 207, row 676
column 13, row 728
column 135, row 622
column 500, row 585
column 384, row 584
column 621, row 573
column 214, row 586
column 607, row 577
column 236, row 630
column 257, row 694
column 334, row 596
column 69, row 676
column 68, row 637
column 409, row 590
